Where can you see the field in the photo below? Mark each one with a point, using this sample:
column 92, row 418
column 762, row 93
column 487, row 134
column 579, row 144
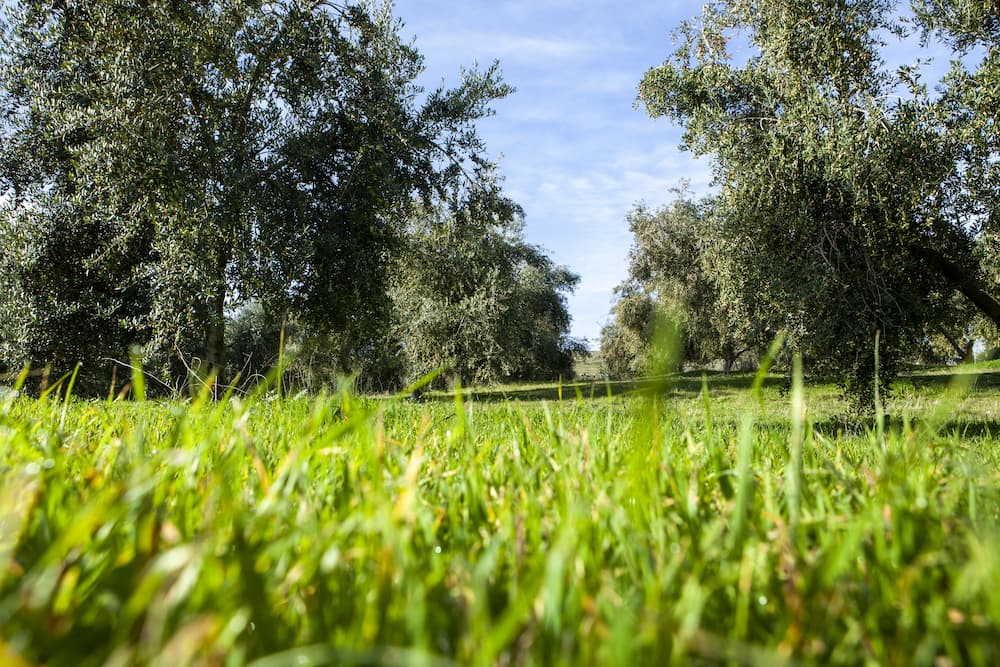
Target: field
column 693, row 521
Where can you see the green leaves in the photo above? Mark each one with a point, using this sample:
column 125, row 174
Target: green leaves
column 173, row 161
column 473, row 299
column 685, row 272
column 848, row 207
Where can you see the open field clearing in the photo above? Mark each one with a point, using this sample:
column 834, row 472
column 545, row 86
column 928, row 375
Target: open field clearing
column 261, row 199
column 697, row 524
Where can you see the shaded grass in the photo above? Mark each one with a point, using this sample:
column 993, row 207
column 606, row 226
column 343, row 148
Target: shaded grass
column 699, row 524
column 681, row 385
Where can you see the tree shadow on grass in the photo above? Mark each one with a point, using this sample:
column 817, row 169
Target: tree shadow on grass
column 841, row 426
column 971, row 429
column 683, row 385
column 986, row 379
column 569, row 391
column 686, row 385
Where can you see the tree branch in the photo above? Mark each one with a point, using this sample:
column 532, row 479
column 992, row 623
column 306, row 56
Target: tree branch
column 970, row 285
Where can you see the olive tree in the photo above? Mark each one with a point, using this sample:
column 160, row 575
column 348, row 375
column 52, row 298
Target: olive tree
column 473, row 298
column 208, row 153
column 845, row 183
column 683, row 267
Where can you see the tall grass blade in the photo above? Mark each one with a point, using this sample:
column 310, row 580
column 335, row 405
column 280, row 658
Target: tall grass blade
column 17, row 498
column 879, row 407
column 138, row 376
column 68, row 396
column 744, row 482
column 757, row 388
column 793, row 473
column 423, row 382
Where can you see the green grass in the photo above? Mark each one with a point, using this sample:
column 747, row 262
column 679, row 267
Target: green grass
column 588, row 365
column 685, row 523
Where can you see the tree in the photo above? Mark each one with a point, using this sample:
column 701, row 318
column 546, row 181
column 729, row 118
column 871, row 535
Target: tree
column 842, row 177
column 218, row 152
column 467, row 295
column 473, row 298
column 681, row 268
column 967, row 110
column 681, row 256
column 627, row 341
column 535, row 330
column 65, row 296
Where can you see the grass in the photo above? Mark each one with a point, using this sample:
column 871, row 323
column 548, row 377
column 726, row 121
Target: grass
column 697, row 523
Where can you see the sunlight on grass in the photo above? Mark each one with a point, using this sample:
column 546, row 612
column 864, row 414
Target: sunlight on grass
column 696, row 526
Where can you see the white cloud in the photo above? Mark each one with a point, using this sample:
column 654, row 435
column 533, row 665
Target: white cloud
column 488, row 46
column 577, row 155
column 580, row 218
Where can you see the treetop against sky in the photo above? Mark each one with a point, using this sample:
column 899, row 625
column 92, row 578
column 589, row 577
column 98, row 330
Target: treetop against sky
column 576, row 152
column 575, row 149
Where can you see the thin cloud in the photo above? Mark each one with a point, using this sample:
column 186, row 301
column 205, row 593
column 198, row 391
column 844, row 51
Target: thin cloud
column 576, row 154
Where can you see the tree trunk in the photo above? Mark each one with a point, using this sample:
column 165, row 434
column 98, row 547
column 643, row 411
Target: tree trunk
column 964, row 281
column 215, row 334
column 729, row 361
column 959, row 350
column 215, row 339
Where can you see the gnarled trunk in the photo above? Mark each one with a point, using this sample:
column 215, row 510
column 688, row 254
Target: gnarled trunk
column 215, row 332
column 966, row 282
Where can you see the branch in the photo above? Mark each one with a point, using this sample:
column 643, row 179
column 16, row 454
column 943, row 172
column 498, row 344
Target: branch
column 951, row 340
column 144, row 372
column 965, row 282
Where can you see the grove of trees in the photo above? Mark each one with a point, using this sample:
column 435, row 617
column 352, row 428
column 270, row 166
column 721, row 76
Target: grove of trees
column 854, row 198
column 169, row 167
column 682, row 274
column 213, row 181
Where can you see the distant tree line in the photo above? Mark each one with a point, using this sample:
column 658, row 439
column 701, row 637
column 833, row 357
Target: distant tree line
column 854, row 199
column 199, row 178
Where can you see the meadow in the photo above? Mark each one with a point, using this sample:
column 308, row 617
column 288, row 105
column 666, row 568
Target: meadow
column 699, row 520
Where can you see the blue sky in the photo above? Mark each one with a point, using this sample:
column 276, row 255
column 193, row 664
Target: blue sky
column 576, row 153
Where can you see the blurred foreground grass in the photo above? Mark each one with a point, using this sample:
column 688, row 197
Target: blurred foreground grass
column 699, row 524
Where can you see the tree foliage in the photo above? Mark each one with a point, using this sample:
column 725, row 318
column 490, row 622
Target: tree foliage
column 473, row 298
column 627, row 341
column 166, row 162
column 858, row 199
column 469, row 299
column 682, row 268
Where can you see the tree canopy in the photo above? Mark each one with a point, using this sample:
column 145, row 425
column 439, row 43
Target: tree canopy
column 474, row 298
column 682, row 267
column 166, row 162
column 858, row 198
column 469, row 300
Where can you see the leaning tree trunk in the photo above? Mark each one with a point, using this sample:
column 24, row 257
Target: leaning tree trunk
column 215, row 334
column 729, row 360
column 966, row 282
column 215, row 341
column 955, row 345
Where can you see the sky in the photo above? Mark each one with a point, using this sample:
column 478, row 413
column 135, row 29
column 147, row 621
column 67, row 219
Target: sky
column 575, row 151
